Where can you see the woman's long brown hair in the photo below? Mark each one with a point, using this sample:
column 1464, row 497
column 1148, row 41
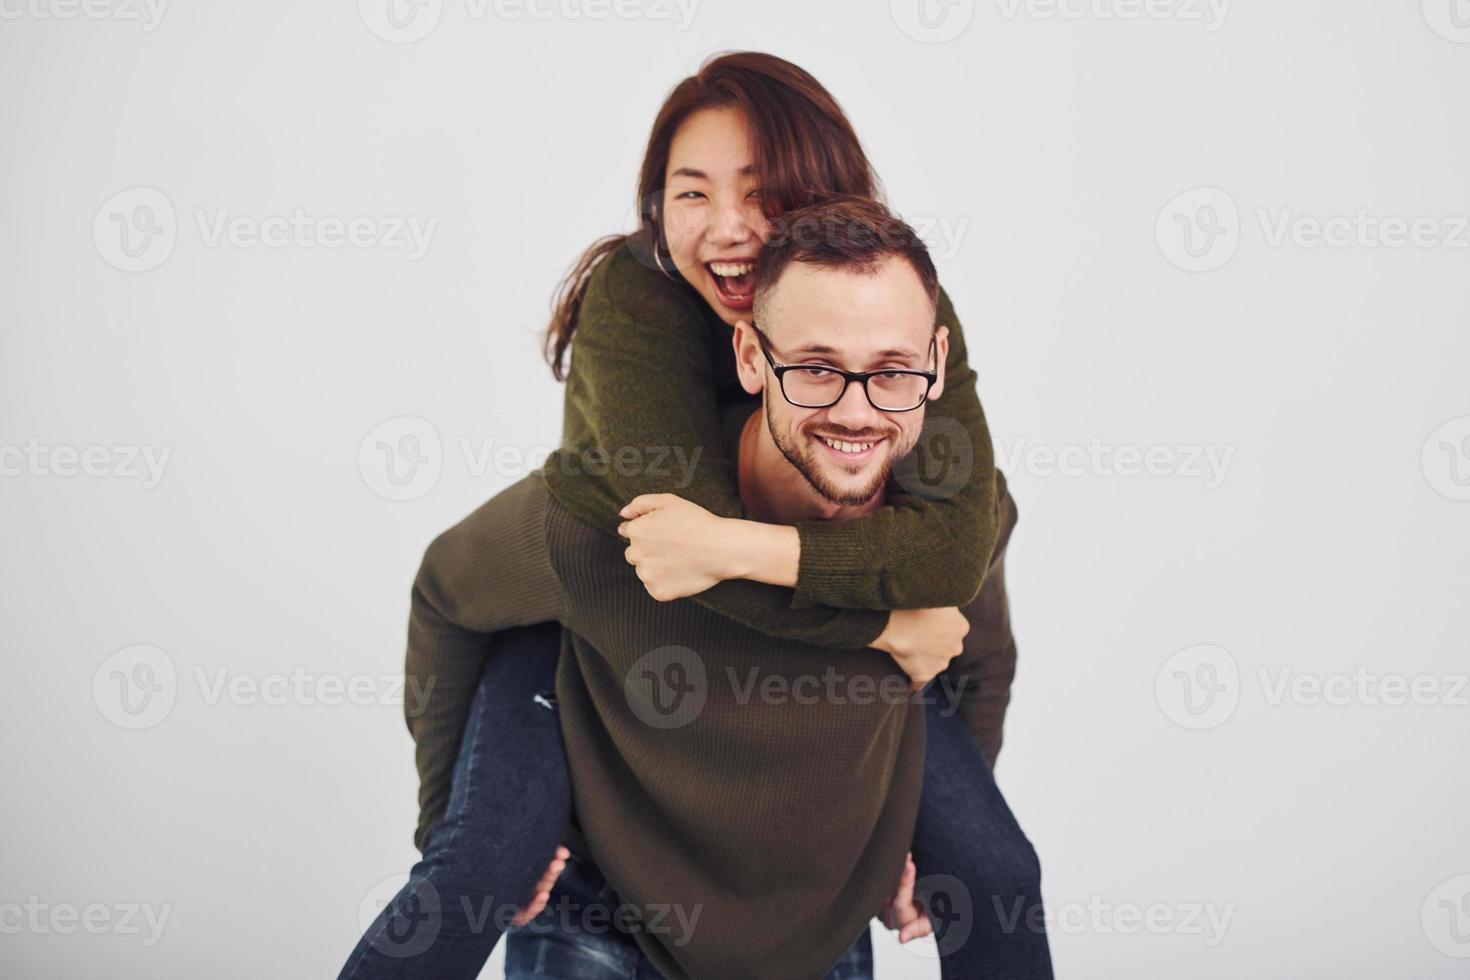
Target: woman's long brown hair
column 805, row 150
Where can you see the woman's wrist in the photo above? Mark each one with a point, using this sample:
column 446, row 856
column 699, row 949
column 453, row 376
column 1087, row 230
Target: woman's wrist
column 769, row 553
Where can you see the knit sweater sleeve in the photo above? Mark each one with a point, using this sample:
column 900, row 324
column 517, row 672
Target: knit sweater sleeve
column 490, row 572
column 981, row 676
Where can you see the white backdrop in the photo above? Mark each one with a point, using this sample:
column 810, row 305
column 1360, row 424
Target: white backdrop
column 1212, row 260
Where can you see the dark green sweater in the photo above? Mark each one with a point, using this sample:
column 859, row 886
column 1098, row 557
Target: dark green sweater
column 779, row 820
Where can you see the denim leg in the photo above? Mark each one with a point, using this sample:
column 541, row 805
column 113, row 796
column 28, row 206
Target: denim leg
column 574, row 937
column 857, row 962
column 511, row 800
column 978, row 874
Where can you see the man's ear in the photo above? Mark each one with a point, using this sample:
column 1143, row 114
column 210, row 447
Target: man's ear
column 748, row 358
column 941, row 346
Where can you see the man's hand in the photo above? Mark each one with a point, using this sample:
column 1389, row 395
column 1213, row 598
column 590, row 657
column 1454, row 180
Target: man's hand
column 678, row 547
column 541, row 894
column 923, row 641
column 904, row 912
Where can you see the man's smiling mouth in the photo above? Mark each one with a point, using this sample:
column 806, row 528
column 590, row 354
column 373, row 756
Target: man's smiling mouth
column 850, row 449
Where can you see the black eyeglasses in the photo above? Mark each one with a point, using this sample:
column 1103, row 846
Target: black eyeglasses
column 819, row 386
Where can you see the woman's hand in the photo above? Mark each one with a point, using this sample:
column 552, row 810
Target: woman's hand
column 678, row 548
column 923, row 641
column 541, row 894
column 904, row 911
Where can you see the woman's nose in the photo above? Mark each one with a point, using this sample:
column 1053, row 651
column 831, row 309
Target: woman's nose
column 732, row 227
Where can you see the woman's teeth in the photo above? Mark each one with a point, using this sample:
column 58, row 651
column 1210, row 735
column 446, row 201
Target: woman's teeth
column 731, row 270
column 847, row 447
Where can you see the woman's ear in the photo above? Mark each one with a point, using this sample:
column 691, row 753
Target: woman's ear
column 941, row 347
column 748, row 358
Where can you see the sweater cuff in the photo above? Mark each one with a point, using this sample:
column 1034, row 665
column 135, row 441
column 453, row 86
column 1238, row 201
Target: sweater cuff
column 836, row 567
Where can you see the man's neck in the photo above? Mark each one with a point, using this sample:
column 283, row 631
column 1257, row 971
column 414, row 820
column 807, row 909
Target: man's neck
column 775, row 492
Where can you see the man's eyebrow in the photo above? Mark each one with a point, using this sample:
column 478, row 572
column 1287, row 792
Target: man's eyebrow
column 698, row 174
column 882, row 355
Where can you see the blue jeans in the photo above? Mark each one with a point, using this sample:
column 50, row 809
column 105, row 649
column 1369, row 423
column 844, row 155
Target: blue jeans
column 978, row 875
column 512, row 799
column 576, row 937
column 509, row 806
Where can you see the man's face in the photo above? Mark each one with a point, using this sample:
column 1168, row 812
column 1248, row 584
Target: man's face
column 857, row 322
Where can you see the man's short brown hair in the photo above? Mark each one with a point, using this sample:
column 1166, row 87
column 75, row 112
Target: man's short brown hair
column 854, row 233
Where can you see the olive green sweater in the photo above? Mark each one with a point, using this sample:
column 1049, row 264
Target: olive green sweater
column 765, row 790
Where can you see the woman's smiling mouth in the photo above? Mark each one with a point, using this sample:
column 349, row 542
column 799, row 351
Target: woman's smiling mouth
column 734, row 282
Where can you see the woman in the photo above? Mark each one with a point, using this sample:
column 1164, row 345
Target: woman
column 651, row 315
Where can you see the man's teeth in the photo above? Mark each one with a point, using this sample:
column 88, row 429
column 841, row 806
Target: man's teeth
column 731, row 270
column 847, row 447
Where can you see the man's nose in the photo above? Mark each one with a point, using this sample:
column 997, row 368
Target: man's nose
column 853, row 410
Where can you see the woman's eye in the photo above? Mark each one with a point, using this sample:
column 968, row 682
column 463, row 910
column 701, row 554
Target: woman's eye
column 688, row 196
column 754, row 193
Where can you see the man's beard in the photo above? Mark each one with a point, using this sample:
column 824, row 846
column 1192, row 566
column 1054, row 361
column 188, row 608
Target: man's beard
column 803, row 456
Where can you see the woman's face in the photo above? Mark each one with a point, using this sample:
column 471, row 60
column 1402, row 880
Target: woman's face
column 713, row 220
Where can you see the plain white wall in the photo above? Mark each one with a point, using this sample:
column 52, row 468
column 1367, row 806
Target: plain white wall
column 1123, row 200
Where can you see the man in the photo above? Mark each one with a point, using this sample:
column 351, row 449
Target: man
column 751, row 801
